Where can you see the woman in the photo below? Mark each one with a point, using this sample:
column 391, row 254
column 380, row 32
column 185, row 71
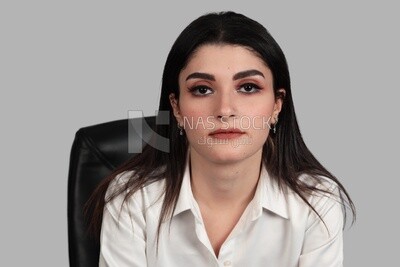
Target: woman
column 239, row 187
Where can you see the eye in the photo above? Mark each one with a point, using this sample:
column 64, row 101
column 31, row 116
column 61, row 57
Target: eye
column 201, row 90
column 249, row 88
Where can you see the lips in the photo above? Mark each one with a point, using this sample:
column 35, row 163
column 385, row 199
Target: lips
column 226, row 133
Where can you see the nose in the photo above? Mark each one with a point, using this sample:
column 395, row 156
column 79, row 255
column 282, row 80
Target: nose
column 225, row 105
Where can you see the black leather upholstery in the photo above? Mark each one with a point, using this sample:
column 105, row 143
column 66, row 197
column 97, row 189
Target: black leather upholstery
column 96, row 151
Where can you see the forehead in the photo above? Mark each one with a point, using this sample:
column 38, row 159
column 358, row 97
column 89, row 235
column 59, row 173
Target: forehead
column 217, row 58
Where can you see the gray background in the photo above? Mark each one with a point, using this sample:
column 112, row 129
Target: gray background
column 69, row 64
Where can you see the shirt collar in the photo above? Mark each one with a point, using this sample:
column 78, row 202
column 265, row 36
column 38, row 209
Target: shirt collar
column 268, row 195
column 185, row 195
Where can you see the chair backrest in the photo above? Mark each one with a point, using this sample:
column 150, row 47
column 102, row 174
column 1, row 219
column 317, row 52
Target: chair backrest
column 96, row 151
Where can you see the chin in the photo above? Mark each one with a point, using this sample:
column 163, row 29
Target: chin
column 226, row 154
column 226, row 151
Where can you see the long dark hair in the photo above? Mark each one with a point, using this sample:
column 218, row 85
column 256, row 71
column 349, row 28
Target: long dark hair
column 285, row 154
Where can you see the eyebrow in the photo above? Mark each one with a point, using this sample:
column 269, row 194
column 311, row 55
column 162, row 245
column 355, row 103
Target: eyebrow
column 247, row 73
column 200, row 75
column 237, row 76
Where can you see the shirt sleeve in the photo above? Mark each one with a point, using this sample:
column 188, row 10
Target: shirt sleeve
column 122, row 238
column 323, row 242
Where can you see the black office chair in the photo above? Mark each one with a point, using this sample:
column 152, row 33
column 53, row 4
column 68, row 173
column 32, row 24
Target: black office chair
column 97, row 150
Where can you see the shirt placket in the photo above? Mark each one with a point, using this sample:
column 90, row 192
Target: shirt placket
column 226, row 253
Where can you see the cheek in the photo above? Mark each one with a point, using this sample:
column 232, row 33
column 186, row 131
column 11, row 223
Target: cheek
column 195, row 112
column 190, row 106
column 192, row 111
column 258, row 114
column 196, row 122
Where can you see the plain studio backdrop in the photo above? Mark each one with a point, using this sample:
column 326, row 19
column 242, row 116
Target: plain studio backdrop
column 69, row 64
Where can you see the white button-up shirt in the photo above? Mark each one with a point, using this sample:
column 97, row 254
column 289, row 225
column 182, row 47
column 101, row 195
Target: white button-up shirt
column 276, row 229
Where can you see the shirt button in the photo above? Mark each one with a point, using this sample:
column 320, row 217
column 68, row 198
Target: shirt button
column 227, row 263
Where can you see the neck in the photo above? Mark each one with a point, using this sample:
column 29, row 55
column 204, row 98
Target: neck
column 222, row 185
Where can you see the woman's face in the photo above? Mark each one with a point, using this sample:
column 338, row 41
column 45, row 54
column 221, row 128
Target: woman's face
column 226, row 103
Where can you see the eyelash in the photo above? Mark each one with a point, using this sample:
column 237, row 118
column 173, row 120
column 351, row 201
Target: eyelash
column 255, row 86
column 195, row 90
